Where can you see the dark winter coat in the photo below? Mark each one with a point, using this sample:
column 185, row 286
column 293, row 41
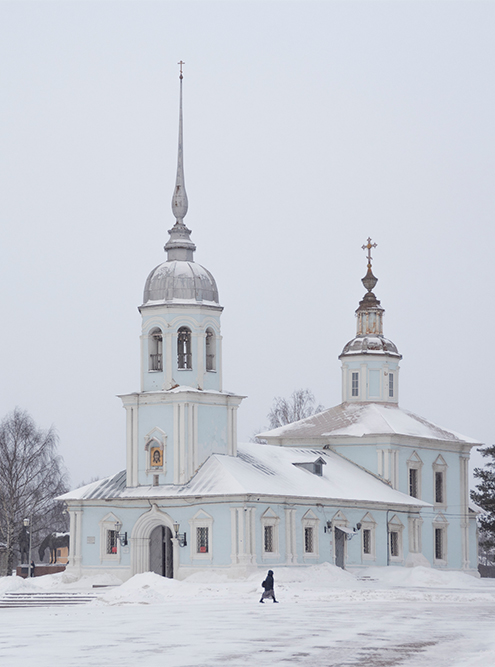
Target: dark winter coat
column 268, row 584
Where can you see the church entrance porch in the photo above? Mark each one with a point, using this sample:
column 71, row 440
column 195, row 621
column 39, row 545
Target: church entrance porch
column 161, row 552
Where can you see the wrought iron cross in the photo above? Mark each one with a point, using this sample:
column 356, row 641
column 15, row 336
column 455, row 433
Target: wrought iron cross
column 181, row 63
column 368, row 247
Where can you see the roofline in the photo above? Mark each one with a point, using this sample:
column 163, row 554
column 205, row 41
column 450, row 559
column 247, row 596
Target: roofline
column 184, row 500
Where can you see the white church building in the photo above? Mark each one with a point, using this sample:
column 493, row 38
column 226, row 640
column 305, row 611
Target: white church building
column 363, row 483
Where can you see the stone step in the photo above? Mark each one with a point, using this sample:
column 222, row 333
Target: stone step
column 45, row 599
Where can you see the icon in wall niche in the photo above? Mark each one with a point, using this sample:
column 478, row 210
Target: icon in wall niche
column 156, row 456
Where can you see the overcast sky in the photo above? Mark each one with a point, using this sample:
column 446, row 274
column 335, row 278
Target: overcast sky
column 308, row 126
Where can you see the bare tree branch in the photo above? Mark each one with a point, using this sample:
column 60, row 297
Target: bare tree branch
column 32, row 475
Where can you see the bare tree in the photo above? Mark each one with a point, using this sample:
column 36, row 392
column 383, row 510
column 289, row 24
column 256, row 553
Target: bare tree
column 300, row 405
column 31, row 476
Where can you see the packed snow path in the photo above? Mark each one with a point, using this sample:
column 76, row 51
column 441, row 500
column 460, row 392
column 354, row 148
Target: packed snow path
column 325, row 618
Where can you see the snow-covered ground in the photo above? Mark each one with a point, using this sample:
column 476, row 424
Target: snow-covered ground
column 326, row 617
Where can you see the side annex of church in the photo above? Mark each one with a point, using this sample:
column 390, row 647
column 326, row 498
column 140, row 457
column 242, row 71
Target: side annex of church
column 361, row 484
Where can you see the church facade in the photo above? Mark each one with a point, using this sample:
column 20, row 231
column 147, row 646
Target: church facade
column 364, row 483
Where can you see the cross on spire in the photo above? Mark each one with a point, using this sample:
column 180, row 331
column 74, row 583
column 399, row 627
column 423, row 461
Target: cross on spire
column 368, row 247
column 180, row 63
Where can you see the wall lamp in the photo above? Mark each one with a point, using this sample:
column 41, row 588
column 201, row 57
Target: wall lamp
column 122, row 537
column 354, row 531
column 180, row 537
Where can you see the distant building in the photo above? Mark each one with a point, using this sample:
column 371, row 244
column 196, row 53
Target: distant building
column 363, row 483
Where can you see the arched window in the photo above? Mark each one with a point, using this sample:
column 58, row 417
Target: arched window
column 184, row 357
column 155, row 347
column 210, row 346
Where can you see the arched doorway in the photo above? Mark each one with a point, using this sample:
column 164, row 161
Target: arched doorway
column 161, row 552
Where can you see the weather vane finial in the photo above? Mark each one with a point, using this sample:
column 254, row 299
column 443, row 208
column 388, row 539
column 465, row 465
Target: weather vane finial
column 180, row 63
column 368, row 247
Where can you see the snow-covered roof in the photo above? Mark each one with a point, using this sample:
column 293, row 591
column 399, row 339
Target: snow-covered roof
column 264, row 470
column 362, row 419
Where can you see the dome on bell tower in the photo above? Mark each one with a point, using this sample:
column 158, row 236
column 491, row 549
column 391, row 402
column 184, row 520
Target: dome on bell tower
column 370, row 362
column 180, row 279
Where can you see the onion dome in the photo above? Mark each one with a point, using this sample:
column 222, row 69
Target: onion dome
column 369, row 335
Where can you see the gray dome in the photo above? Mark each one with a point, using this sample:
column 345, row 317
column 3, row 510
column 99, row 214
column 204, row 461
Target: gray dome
column 371, row 344
column 179, row 281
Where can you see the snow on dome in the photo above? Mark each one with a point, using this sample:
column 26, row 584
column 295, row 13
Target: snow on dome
column 177, row 280
column 371, row 344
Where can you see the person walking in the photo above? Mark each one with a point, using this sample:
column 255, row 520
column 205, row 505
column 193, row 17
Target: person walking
column 268, row 585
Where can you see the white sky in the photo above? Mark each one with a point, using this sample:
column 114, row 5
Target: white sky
column 309, row 126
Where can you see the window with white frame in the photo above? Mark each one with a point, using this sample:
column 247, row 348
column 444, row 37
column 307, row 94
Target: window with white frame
column 155, row 346
column 355, row 384
column 109, row 542
column 310, row 534
column 309, row 545
column 184, row 354
column 112, row 541
column 440, row 525
column 268, row 541
column 414, row 465
column 366, row 541
column 210, row 349
column 201, row 536
column 391, row 385
column 368, row 526
column 270, row 526
column 395, row 528
column 439, row 486
column 202, row 539
column 439, row 481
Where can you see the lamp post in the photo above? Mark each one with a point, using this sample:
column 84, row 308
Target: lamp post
column 27, row 524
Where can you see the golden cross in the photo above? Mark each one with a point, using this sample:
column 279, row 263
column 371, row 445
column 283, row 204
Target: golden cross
column 368, row 247
column 181, row 63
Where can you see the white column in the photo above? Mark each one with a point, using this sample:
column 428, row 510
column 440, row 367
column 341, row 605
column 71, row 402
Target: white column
column 290, row 536
column 201, row 338
column 219, row 363
column 234, row 552
column 143, row 361
column 464, row 496
column 176, row 443
column 135, row 445
column 168, row 340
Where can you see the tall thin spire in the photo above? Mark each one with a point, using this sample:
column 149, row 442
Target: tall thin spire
column 179, row 199
column 179, row 246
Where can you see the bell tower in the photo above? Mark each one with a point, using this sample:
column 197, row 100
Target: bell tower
column 181, row 415
column 370, row 362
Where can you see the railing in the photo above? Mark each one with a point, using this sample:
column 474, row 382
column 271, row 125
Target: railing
column 156, row 362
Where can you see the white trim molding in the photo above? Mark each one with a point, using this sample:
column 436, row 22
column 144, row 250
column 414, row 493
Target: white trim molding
column 368, row 523
column 201, row 521
column 108, row 524
column 440, row 541
column 310, row 541
column 269, row 519
column 395, row 544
